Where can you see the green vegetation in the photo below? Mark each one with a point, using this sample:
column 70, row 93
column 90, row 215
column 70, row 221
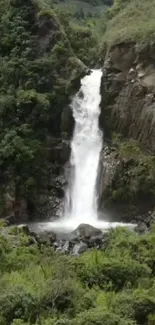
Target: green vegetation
column 135, row 175
column 43, row 51
column 112, row 287
column 130, row 21
column 126, row 21
column 37, row 70
column 82, row 39
column 84, row 23
column 81, row 10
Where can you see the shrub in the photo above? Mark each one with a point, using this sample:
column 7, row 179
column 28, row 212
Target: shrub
column 138, row 305
column 19, row 322
column 119, row 270
column 18, row 304
column 99, row 317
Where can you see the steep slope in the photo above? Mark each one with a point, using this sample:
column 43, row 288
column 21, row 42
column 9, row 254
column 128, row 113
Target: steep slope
column 130, row 21
column 128, row 105
column 38, row 72
column 83, row 24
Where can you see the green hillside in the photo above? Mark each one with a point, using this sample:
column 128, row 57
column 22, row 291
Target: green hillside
column 84, row 8
column 131, row 21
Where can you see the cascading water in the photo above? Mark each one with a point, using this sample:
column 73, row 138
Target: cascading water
column 81, row 203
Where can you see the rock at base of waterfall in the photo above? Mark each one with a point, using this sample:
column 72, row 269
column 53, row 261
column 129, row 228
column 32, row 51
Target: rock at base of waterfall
column 80, row 248
column 46, row 238
column 96, row 240
column 25, row 229
column 141, row 228
column 85, row 231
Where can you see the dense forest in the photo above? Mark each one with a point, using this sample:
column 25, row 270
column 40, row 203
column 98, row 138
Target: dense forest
column 36, row 60
column 45, row 48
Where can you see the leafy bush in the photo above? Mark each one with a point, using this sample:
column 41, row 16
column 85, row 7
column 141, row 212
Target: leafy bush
column 99, row 317
column 119, row 270
column 18, row 304
column 19, row 322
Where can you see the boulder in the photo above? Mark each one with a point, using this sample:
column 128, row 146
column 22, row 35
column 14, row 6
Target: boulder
column 66, row 247
column 80, row 248
column 25, row 229
column 141, row 228
column 56, row 245
column 96, row 240
column 43, row 239
column 85, row 231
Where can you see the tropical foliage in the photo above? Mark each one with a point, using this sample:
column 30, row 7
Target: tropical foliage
column 112, row 287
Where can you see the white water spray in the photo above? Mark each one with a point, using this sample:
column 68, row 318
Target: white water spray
column 86, row 145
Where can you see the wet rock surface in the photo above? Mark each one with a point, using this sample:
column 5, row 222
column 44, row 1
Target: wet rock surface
column 85, row 231
column 80, row 248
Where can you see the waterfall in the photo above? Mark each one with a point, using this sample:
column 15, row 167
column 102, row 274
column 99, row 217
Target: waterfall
column 86, row 145
column 81, row 203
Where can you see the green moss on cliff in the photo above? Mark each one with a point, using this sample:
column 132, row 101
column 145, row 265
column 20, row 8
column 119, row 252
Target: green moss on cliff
column 135, row 176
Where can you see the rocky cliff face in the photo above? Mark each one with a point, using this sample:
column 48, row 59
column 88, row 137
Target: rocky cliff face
column 128, row 91
column 128, row 112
